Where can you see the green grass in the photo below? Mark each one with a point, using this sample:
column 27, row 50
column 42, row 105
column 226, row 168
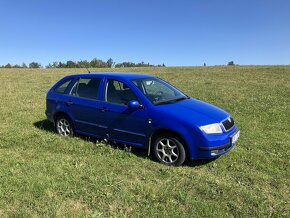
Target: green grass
column 42, row 174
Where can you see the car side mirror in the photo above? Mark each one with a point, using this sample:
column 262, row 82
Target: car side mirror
column 134, row 104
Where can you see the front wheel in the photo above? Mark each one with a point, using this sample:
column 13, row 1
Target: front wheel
column 169, row 150
column 64, row 126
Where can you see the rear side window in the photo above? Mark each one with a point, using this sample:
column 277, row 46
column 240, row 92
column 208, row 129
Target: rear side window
column 62, row 87
column 86, row 88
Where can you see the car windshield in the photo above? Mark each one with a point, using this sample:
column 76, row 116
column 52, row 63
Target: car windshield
column 158, row 91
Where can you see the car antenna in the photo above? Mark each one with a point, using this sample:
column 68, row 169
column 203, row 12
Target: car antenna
column 88, row 70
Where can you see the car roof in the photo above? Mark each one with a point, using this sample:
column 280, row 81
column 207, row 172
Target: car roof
column 115, row 75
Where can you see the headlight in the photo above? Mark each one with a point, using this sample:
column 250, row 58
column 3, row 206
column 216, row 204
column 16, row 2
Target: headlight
column 212, row 128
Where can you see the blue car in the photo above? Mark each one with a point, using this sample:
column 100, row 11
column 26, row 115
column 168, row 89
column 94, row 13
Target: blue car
column 143, row 111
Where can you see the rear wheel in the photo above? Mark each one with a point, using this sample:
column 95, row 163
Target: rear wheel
column 64, row 126
column 169, row 150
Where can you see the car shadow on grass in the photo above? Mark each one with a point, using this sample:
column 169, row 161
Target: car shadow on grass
column 46, row 125
column 200, row 162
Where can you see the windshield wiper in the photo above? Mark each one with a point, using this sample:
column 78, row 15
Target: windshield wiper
column 171, row 101
column 182, row 98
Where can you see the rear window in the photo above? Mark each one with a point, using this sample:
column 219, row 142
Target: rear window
column 62, row 87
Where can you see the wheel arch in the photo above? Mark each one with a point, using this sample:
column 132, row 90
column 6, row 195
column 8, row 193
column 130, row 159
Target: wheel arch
column 66, row 116
column 162, row 131
column 59, row 113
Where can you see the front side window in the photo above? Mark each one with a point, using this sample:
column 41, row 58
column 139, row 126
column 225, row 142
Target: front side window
column 118, row 92
column 62, row 87
column 158, row 91
column 86, row 88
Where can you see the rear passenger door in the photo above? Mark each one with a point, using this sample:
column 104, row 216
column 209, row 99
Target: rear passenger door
column 83, row 104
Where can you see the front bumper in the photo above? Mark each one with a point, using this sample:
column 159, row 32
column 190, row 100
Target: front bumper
column 217, row 150
column 216, row 144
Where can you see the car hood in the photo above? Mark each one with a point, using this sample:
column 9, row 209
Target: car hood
column 193, row 111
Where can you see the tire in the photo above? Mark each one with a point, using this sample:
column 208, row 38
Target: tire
column 169, row 150
column 64, row 126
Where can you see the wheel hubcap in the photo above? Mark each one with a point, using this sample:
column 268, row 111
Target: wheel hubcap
column 63, row 127
column 167, row 150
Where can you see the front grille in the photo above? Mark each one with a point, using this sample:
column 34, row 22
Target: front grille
column 228, row 123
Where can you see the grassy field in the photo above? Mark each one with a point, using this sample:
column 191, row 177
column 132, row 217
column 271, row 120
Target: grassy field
column 42, row 174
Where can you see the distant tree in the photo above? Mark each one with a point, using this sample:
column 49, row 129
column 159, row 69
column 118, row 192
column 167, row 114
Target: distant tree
column 231, row 63
column 61, row 65
column 55, row 64
column 204, row 64
column 131, row 64
column 119, row 65
column 34, row 65
column 97, row 63
column 110, row 63
column 141, row 64
column 71, row 64
column 49, row 66
column 83, row 64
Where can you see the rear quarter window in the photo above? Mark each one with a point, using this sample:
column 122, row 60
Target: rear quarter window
column 61, row 88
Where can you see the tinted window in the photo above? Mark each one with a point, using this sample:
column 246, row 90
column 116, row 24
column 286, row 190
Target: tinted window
column 86, row 88
column 118, row 93
column 62, row 87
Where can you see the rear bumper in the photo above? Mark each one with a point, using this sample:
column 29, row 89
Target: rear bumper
column 49, row 116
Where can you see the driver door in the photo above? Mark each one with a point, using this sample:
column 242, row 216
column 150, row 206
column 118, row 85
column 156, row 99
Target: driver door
column 125, row 125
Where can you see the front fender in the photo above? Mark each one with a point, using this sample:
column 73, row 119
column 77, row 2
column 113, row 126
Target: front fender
column 189, row 134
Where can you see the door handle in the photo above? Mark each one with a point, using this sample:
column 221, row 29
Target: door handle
column 103, row 109
column 69, row 102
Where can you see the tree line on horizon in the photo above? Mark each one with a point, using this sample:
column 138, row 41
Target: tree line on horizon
column 95, row 63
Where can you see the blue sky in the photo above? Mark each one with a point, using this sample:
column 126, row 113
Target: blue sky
column 174, row 32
